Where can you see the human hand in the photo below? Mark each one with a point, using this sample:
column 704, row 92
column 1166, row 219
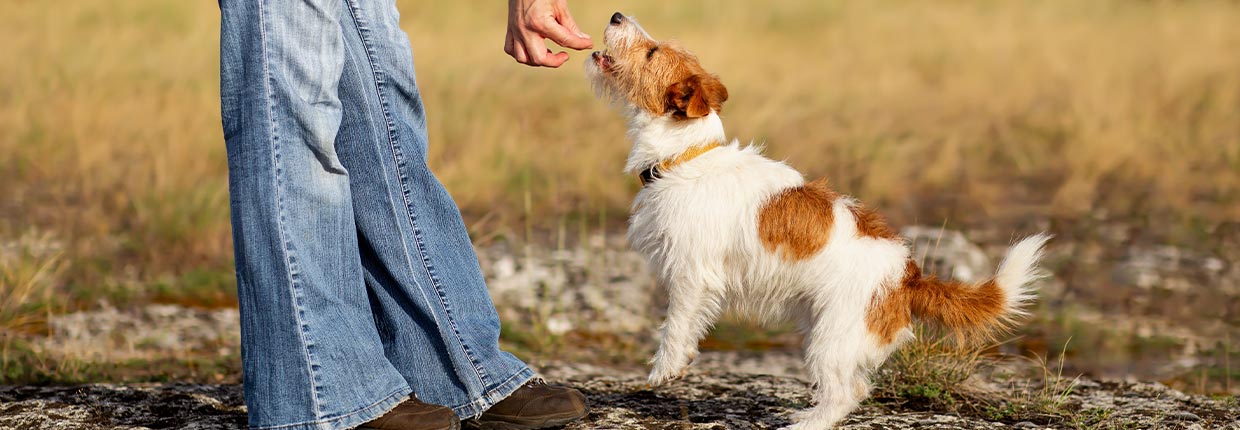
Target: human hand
column 530, row 21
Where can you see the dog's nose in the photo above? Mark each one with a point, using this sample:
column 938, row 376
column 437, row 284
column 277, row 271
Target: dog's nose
column 617, row 18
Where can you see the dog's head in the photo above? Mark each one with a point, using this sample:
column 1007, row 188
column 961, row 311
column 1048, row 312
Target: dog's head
column 656, row 77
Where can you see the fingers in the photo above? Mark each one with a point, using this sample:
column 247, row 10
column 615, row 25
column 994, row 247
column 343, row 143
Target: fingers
column 538, row 55
column 515, row 49
column 533, row 52
column 530, row 21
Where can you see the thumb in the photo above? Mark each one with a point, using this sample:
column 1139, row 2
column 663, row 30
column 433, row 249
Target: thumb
column 566, row 37
column 566, row 19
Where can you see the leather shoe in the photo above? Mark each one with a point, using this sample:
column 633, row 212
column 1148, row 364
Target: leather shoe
column 413, row 414
column 535, row 405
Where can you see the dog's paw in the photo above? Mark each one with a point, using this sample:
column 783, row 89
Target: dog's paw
column 808, row 425
column 811, row 419
column 660, row 377
column 655, row 380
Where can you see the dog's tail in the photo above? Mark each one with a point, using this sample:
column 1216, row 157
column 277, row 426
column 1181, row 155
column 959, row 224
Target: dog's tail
column 978, row 312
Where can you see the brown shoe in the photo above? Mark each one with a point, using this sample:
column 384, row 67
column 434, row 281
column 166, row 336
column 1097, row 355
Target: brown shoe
column 535, row 405
column 413, row 414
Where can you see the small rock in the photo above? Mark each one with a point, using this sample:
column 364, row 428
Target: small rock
column 947, row 253
column 591, row 290
column 1183, row 416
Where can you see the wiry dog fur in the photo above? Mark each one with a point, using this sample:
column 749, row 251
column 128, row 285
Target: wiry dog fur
column 730, row 227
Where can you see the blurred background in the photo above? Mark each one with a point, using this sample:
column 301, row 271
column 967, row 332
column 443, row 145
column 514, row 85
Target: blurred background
column 1114, row 125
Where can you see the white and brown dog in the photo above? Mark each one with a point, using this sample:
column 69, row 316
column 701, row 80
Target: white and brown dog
column 723, row 226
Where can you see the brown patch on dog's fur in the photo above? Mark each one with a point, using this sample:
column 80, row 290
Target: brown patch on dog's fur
column 696, row 96
column 797, row 222
column 960, row 308
column 889, row 314
column 871, row 224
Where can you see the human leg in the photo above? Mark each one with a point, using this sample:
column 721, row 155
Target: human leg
column 311, row 354
column 434, row 313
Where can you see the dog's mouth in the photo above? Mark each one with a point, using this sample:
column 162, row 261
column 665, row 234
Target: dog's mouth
column 602, row 60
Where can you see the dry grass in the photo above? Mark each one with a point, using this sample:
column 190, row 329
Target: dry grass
column 29, row 270
column 930, row 369
column 962, row 110
column 933, row 373
column 965, row 110
column 111, row 136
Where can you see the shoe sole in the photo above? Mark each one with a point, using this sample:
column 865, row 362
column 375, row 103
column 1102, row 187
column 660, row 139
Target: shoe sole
column 541, row 423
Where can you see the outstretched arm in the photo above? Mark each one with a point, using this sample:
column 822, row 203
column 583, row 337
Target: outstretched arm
column 531, row 21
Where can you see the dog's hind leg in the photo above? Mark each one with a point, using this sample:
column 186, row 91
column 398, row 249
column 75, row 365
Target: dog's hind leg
column 694, row 304
column 835, row 356
column 836, row 395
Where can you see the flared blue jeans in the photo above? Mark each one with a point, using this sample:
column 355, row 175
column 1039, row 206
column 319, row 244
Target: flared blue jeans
column 358, row 284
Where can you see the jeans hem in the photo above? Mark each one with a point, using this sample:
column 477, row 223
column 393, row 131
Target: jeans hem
column 490, row 398
column 351, row 419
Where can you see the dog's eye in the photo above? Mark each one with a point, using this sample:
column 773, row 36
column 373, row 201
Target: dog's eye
column 650, row 53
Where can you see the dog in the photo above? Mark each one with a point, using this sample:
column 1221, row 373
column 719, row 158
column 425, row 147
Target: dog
column 723, row 227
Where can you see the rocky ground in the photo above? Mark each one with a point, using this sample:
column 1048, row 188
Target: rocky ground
column 1115, row 310
column 596, row 304
column 723, row 392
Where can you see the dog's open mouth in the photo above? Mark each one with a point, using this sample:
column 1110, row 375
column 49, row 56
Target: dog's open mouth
column 602, row 60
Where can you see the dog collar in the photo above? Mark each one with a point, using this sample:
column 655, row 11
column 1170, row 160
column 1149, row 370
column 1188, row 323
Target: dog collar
column 655, row 171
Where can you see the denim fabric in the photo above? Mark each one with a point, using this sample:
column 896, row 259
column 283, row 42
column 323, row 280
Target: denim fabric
column 357, row 281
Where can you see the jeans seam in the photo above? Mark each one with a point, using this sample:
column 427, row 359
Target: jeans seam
column 289, row 258
column 491, row 396
column 400, row 392
column 430, row 272
column 397, row 158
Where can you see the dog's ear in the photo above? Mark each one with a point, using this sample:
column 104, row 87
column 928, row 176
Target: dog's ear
column 696, row 96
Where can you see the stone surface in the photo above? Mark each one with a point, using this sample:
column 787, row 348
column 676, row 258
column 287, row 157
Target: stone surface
column 718, row 394
column 595, row 289
column 604, row 288
column 1169, row 268
column 109, row 406
column 948, row 253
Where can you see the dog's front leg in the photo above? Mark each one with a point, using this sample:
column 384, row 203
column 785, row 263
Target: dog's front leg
column 692, row 309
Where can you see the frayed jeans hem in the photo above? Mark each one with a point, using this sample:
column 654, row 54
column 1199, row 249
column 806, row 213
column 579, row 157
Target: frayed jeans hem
column 351, row 419
column 494, row 395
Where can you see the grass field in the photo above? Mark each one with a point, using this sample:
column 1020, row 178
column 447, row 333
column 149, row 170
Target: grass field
column 113, row 174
